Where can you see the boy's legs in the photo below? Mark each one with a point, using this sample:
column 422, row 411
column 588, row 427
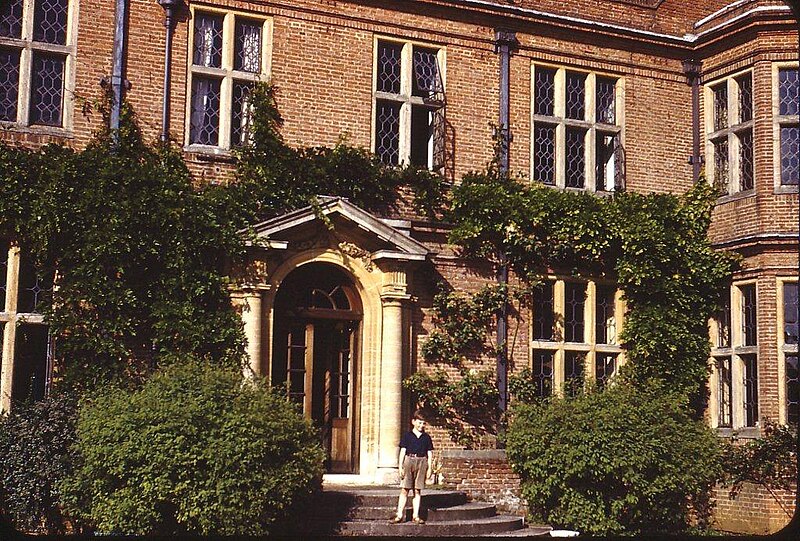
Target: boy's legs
column 401, row 504
column 416, row 499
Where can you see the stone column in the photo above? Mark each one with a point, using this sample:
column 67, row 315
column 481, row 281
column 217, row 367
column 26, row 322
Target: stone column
column 391, row 392
column 249, row 301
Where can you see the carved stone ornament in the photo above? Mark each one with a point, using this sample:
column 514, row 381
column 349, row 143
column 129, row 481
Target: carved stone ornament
column 351, row 250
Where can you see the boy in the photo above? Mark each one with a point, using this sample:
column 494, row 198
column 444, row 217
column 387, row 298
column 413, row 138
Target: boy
column 414, row 462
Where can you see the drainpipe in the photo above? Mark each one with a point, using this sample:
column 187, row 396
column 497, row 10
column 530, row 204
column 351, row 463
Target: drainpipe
column 171, row 10
column 691, row 68
column 505, row 43
column 118, row 82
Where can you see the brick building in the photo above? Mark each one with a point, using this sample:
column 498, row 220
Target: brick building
column 600, row 94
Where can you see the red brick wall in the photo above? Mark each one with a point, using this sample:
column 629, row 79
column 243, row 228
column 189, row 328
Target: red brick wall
column 755, row 510
column 484, row 476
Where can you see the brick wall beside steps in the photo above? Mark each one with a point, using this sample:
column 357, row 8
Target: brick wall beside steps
column 484, row 476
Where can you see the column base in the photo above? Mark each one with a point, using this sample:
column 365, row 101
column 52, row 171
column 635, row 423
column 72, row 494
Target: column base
column 387, row 476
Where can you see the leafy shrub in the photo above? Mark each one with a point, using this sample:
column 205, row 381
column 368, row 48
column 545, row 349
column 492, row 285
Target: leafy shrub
column 197, row 449
column 624, row 460
column 34, row 451
column 770, row 460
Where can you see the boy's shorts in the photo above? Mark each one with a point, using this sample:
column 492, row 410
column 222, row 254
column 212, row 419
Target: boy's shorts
column 415, row 469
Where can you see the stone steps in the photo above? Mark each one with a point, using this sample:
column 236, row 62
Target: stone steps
column 365, row 511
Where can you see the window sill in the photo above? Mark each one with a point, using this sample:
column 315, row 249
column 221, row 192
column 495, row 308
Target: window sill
column 787, row 189
column 49, row 131
column 738, row 196
column 744, row 433
column 210, row 154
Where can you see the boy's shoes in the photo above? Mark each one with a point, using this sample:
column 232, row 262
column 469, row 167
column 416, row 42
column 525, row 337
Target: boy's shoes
column 396, row 520
column 418, row 520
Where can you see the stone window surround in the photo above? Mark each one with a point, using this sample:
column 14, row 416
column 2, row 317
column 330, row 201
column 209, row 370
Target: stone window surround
column 777, row 122
column 588, row 346
column 731, row 133
column 783, row 348
column 736, row 350
column 589, row 123
column 226, row 73
column 405, row 97
column 27, row 47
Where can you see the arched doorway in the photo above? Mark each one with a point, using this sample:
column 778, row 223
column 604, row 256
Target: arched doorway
column 317, row 323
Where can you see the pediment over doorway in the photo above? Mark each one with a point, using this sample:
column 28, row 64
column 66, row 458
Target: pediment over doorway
column 337, row 223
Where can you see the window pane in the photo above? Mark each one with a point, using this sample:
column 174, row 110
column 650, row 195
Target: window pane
column 427, row 81
column 605, row 100
column 544, row 89
column 389, row 67
column 720, row 106
column 723, row 319
column 605, row 367
column 35, row 289
column 240, row 113
column 421, row 136
column 387, row 132
column 606, row 159
column 247, row 56
column 542, row 372
column 11, row 18
column 605, row 324
column 724, row 391
column 544, row 154
column 30, row 363
column 574, row 299
column 749, row 327
column 787, row 92
column 543, row 316
column 575, row 158
column 208, row 40
column 792, row 389
column 47, row 89
column 3, row 275
column 790, row 313
column 790, row 155
column 576, row 95
column 50, row 21
column 746, row 160
column 750, row 389
column 204, row 128
column 745, row 84
column 9, row 84
column 573, row 372
column 721, row 165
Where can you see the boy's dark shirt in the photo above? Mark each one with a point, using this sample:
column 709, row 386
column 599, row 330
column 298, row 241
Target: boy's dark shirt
column 416, row 446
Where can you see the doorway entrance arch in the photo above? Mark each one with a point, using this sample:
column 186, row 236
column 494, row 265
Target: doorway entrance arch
column 316, row 339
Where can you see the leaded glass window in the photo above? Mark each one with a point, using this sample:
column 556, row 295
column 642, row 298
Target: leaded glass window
column 544, row 154
column 576, row 95
column 790, row 327
column 227, row 59
column 543, row 313
column 724, row 391
column 746, row 160
column 749, row 307
column 9, row 84
column 790, row 155
column 47, row 87
column 720, row 107
column 750, row 385
column 788, row 92
column 50, row 21
column 721, row 165
column 542, row 372
column 576, row 142
column 11, row 18
column 208, row 40
column 544, row 90
column 575, row 297
column 35, row 289
column 745, row 83
column 723, row 323
column 573, row 372
column 575, row 158
column 792, row 389
column 247, row 52
column 605, row 319
column 410, row 122
column 205, row 111
column 387, row 132
column 605, row 368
